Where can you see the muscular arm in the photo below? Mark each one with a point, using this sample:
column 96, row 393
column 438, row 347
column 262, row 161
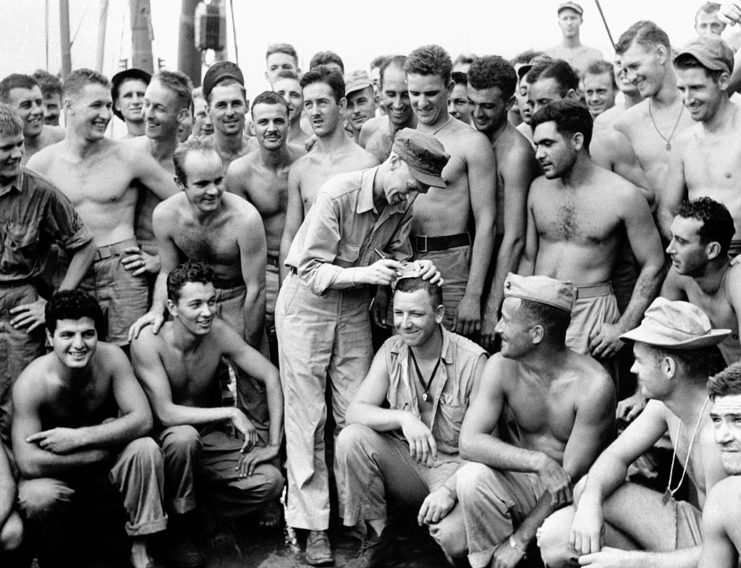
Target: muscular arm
column 721, row 508
column 235, row 179
column 8, row 488
column 672, row 289
column 253, row 258
column 673, row 192
column 294, row 215
column 482, row 185
column 612, row 150
column 153, row 176
column 527, row 264
column 78, row 266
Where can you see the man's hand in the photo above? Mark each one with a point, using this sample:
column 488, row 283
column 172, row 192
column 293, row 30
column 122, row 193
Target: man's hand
column 139, row 262
column 57, row 440
column 467, row 319
column 156, row 320
column 730, row 13
column 607, row 343
column 246, row 428
column 31, row 315
column 250, row 460
column 505, row 556
column 611, row 558
column 422, row 446
column 382, row 272
column 556, row 482
column 488, row 325
column 436, row 506
column 629, row 408
column 379, row 308
column 587, row 528
column 427, row 270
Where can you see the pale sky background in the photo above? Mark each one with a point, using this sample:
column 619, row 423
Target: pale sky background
column 358, row 32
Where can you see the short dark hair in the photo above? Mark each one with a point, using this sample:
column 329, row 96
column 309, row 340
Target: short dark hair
column 287, row 74
column 180, row 84
column 190, row 271
column 331, row 77
column 556, row 69
column 326, row 57
column 554, row 320
column 645, row 33
column 378, row 61
column 16, row 81
column 395, row 61
column 417, row 283
column 79, row 78
column 688, row 61
column 698, row 364
column 570, row 116
column 286, row 48
column 717, row 222
column 10, row 121
column 725, row 383
column 194, row 144
column 269, row 98
column 707, row 8
column 525, row 56
column 459, row 78
column 466, row 58
column 493, row 71
column 74, row 305
column 50, row 84
column 602, row 67
column 429, row 60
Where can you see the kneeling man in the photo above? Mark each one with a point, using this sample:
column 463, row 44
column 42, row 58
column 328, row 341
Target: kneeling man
column 79, row 426
column 409, row 450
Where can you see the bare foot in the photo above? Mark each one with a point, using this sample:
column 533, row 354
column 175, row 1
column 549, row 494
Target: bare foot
column 140, row 557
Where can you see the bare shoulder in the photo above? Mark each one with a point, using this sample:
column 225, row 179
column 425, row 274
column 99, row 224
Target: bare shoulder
column 241, row 211
column 148, row 342
column 466, row 138
column 34, row 379
column 169, row 209
column 241, row 167
column 632, row 117
column 42, row 160
column 111, row 358
column 362, row 158
column 513, row 149
column 371, row 127
column 54, row 133
column 500, row 371
column 725, row 496
column 617, row 189
column 593, row 384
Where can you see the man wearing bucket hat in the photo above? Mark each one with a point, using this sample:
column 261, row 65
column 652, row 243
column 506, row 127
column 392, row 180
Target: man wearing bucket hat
column 559, row 408
column 703, row 162
column 354, row 237
column 571, row 49
column 360, row 104
column 127, row 91
column 622, row 524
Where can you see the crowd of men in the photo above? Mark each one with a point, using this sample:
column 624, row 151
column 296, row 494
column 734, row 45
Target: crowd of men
column 439, row 285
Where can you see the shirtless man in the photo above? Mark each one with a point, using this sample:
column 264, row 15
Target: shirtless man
column 705, row 161
column 287, row 85
column 334, row 152
column 127, row 91
column 458, row 105
column 653, row 125
column 178, row 370
column 571, row 49
column 707, row 21
column 444, row 218
column 701, row 271
column 631, row 97
column 599, row 88
column 11, row 525
column 491, row 88
column 51, row 90
column 360, row 104
column 223, row 88
column 98, row 176
column 202, row 123
column 579, row 216
column 23, row 93
column 167, row 102
column 280, row 57
column 261, row 177
column 559, row 408
column 616, row 523
column 80, row 428
column 377, row 135
column 721, row 538
column 555, row 80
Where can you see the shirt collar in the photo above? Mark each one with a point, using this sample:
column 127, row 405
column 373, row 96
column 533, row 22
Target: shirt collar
column 365, row 200
column 446, row 352
column 16, row 184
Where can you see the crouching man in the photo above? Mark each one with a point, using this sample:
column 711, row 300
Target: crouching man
column 409, row 450
column 79, row 423
column 177, row 367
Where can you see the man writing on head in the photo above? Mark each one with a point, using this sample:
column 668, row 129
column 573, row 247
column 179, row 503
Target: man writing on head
column 101, row 178
column 127, row 91
column 360, row 104
column 334, row 152
column 617, row 523
column 178, row 370
column 79, row 426
column 579, row 216
column 22, row 92
column 410, row 449
column 701, row 271
column 324, row 333
column 558, row 407
column 377, row 135
column 33, row 215
column 491, row 87
column 261, row 177
column 704, row 160
column 571, row 48
column 444, row 217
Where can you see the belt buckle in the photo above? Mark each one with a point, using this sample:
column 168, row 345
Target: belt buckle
column 424, row 240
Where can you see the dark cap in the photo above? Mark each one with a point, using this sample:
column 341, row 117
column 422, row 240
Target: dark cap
column 711, row 51
column 571, row 6
column 125, row 75
column 218, row 72
column 423, row 153
column 523, row 70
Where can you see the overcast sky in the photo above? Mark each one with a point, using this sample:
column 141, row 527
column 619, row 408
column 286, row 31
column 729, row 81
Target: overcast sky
column 358, row 32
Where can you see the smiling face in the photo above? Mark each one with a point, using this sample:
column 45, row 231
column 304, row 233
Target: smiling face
column 52, row 108
column 325, row 113
column 725, row 414
column 360, row 107
column 543, row 92
column 195, row 309
column 643, row 66
column 488, row 108
column 160, row 112
column 90, row 111
column 415, row 319
column 228, row 108
column 428, row 95
column 204, row 184
column 290, row 90
column 599, row 93
column 458, row 106
column 395, row 96
column 701, row 94
column 11, row 152
column 130, row 102
column 30, row 106
column 271, row 125
column 513, row 331
column 400, row 186
column 74, row 341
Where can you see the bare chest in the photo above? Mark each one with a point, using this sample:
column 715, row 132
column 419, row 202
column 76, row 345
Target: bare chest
column 210, row 244
column 268, row 191
column 571, row 216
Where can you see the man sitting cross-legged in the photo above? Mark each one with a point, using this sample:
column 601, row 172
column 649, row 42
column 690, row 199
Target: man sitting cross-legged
column 177, row 368
column 408, row 451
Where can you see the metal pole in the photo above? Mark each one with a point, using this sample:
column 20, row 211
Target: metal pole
column 189, row 58
column 604, row 21
column 102, row 25
column 141, row 40
column 64, row 37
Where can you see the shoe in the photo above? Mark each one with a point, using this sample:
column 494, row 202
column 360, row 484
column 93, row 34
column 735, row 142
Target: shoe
column 176, row 547
column 375, row 551
column 318, row 550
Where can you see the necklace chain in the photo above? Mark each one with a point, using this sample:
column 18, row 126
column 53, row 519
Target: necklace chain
column 450, row 119
column 425, row 385
column 656, row 128
column 669, row 493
